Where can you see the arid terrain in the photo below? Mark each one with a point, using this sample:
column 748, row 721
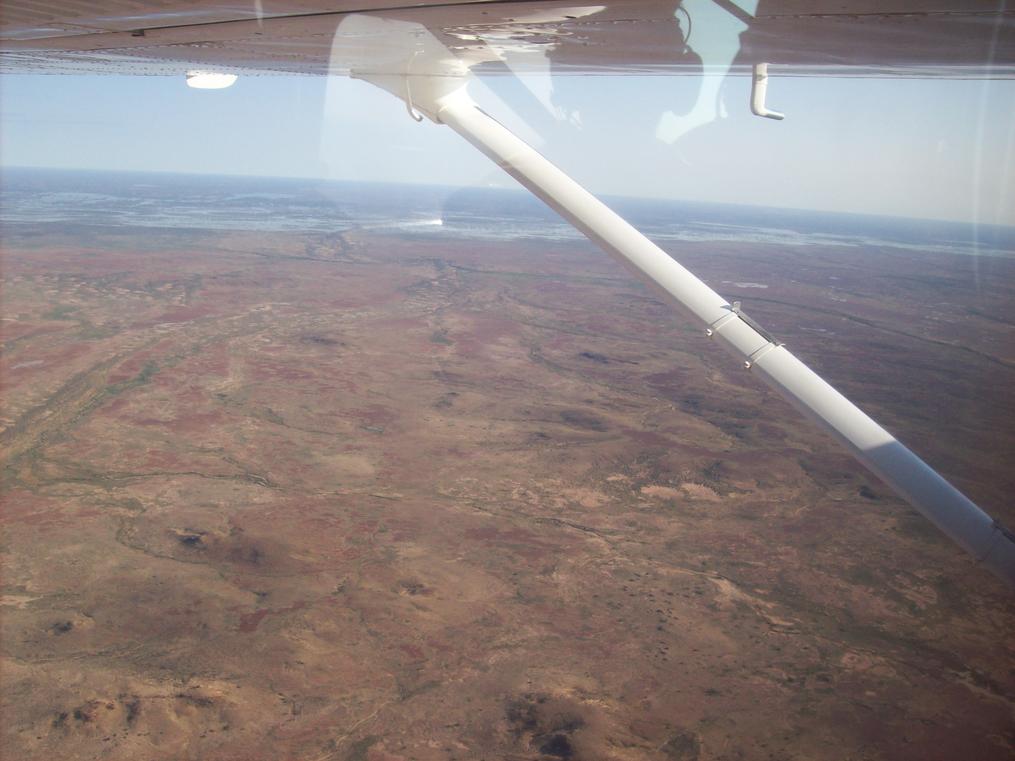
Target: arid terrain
column 379, row 498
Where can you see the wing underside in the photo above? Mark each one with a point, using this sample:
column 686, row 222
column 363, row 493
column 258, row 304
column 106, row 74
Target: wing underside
column 892, row 38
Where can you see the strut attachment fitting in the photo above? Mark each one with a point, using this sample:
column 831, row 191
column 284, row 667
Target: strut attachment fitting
column 739, row 312
column 735, row 312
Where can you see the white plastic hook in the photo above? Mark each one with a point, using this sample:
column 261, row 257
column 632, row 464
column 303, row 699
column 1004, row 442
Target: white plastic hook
column 416, row 115
column 759, row 89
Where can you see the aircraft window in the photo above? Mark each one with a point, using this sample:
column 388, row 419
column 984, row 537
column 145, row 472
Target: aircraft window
column 324, row 438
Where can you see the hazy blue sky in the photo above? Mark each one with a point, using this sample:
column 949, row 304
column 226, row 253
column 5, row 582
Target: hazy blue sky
column 941, row 149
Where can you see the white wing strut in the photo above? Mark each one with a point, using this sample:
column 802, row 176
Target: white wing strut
column 444, row 99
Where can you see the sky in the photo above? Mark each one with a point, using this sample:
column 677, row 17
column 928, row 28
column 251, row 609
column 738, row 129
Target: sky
column 941, row 149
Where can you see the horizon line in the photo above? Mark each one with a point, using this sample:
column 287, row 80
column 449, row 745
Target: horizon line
column 508, row 188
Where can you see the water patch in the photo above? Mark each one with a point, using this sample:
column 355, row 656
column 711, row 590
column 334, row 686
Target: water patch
column 482, row 214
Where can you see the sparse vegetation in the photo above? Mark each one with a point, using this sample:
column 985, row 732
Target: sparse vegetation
column 358, row 498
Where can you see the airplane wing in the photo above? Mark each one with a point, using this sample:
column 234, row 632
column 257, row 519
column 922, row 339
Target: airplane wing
column 956, row 38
